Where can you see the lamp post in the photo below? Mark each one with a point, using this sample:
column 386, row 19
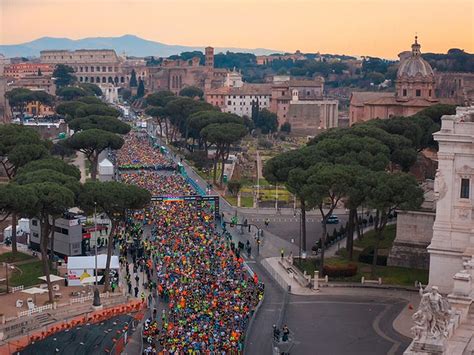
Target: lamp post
column 6, row 275
column 96, row 302
column 276, row 197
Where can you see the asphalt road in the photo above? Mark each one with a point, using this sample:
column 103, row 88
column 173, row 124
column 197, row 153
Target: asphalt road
column 344, row 325
column 287, row 227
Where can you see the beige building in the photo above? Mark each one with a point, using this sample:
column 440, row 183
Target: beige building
column 91, row 66
column 414, row 90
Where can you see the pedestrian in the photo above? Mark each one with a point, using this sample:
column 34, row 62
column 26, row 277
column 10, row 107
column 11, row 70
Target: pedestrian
column 129, row 284
column 113, row 286
column 276, row 333
column 286, row 333
column 267, row 222
column 282, row 253
column 249, row 251
column 149, row 299
column 137, row 278
column 136, row 291
column 142, row 296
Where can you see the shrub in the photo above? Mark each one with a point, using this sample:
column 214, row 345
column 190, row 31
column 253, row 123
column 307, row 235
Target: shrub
column 347, row 270
column 367, row 257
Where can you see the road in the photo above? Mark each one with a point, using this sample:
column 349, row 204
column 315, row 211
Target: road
column 287, row 227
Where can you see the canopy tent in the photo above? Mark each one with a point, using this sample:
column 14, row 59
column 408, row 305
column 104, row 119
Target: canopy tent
column 35, row 290
column 91, row 279
column 52, row 278
column 88, row 262
column 82, row 267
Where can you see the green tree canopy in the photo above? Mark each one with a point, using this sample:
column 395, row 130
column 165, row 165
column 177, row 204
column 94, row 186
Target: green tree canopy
column 106, row 123
column 92, row 142
column 265, row 120
column 69, row 93
column 160, row 98
column 223, row 135
column 51, row 164
column 63, row 75
column 91, row 100
column 91, row 89
column 69, row 109
column 114, row 199
column 141, row 88
column 97, row 109
column 133, row 79
column 192, row 92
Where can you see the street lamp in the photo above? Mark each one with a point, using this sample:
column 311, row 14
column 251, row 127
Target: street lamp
column 96, row 302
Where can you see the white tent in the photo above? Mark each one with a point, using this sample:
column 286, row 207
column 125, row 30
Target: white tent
column 35, row 290
column 91, row 280
column 81, row 267
column 106, row 167
column 52, row 278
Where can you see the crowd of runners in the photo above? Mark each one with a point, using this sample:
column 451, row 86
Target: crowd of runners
column 138, row 153
column 159, row 183
column 203, row 295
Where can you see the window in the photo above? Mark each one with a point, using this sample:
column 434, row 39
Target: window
column 104, row 69
column 429, row 93
column 92, row 69
column 110, row 68
column 34, row 222
column 404, row 92
column 465, row 188
column 418, row 92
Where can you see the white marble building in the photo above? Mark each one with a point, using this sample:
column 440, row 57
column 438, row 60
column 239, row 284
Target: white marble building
column 453, row 230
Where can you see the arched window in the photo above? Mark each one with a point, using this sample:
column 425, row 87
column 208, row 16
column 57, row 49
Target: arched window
column 104, row 79
column 92, row 79
column 122, row 79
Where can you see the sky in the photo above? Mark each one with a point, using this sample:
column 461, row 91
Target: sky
column 357, row 27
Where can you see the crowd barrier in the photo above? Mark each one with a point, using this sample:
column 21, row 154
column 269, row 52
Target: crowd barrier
column 17, row 345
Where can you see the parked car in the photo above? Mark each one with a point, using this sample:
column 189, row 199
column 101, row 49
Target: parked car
column 332, row 220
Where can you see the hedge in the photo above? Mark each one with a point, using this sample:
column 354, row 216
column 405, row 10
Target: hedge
column 347, row 270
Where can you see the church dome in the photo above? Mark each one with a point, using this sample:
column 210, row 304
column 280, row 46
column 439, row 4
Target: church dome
column 413, row 65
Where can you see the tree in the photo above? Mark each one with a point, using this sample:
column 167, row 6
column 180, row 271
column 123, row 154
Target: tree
column 51, row 163
column 387, row 193
column 69, row 109
column 70, row 93
column 53, row 200
column 18, row 146
column 179, row 110
column 286, row 127
column 91, row 89
column 223, row 136
column 125, row 93
column 16, row 201
column 160, row 98
column 92, row 142
column 326, row 184
column 114, row 199
column 133, row 79
column 91, row 100
column 61, row 149
column 97, row 109
column 234, row 187
column 63, row 75
column 106, row 123
column 192, row 92
column 141, row 88
column 265, row 120
column 19, row 98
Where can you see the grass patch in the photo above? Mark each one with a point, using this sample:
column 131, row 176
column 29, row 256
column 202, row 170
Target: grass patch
column 245, row 201
column 369, row 238
column 28, row 276
column 391, row 275
column 11, row 257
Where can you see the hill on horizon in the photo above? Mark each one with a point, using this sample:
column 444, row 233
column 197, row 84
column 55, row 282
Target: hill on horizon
column 131, row 45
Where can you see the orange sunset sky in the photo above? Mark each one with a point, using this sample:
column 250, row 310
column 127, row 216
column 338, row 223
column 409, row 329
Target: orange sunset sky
column 358, row 27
